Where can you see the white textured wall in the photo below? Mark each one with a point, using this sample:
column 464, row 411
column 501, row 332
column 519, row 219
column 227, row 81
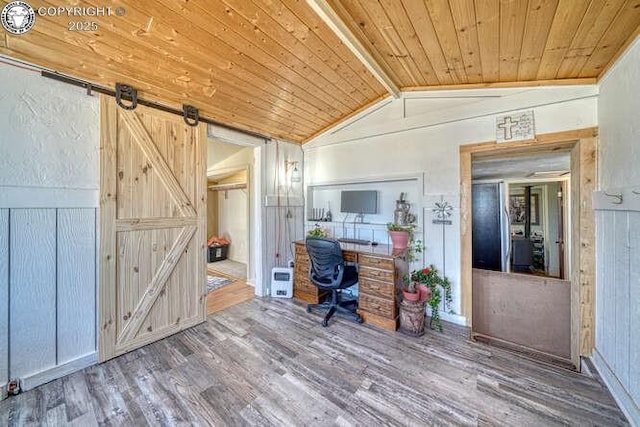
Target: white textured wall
column 422, row 137
column 49, row 178
column 618, row 236
column 50, row 133
column 233, row 222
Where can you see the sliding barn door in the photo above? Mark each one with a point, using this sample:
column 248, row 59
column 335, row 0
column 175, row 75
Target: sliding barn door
column 152, row 227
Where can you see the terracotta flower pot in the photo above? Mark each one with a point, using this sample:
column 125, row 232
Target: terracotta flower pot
column 410, row 296
column 424, row 291
column 399, row 239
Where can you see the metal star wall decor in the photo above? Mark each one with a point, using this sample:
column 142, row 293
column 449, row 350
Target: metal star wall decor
column 443, row 212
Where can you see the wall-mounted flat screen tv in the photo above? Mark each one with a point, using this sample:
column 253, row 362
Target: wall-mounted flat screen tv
column 359, row 201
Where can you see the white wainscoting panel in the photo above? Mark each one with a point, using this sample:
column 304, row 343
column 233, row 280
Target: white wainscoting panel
column 4, row 299
column 634, row 307
column 76, row 334
column 32, row 288
column 618, row 304
column 47, row 293
column 289, row 230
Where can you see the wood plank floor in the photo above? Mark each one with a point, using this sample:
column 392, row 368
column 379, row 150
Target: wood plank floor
column 229, row 295
column 268, row 362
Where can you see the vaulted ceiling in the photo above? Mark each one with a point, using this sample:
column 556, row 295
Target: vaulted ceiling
column 285, row 69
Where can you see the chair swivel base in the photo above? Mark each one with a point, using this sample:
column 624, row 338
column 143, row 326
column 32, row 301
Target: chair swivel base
column 341, row 309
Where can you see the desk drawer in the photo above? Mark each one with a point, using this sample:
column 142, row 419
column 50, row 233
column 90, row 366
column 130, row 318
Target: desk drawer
column 384, row 290
column 377, row 306
column 349, row 256
column 303, row 284
column 375, row 273
column 377, row 262
column 302, row 266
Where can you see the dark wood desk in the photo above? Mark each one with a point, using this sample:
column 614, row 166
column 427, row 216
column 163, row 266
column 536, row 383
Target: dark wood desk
column 380, row 272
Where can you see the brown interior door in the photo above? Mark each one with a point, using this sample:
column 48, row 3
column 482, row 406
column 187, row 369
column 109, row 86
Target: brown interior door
column 152, row 227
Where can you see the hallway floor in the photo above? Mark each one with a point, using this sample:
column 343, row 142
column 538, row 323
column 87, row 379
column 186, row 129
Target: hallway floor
column 229, row 268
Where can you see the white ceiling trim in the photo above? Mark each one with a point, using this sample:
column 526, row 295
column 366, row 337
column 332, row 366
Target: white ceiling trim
column 331, row 18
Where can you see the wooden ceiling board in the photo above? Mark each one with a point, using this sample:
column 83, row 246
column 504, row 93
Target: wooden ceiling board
column 274, row 34
column 389, row 32
column 355, row 17
column 589, row 32
column 512, row 24
column 304, row 34
column 100, row 73
column 245, row 37
column 474, row 42
column 168, row 41
column 324, row 33
column 488, row 18
column 442, row 20
column 464, row 17
column 190, row 78
column 539, row 19
column 565, row 24
column 421, row 20
column 624, row 24
column 288, row 87
column 251, row 64
column 413, row 49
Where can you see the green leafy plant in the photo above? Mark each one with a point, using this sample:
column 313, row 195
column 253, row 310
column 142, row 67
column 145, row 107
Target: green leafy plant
column 397, row 227
column 414, row 247
column 440, row 287
column 317, row 231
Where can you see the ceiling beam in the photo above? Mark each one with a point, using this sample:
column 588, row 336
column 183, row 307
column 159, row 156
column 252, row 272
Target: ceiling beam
column 331, row 18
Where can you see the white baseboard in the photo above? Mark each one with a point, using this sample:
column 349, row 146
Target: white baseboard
column 620, row 394
column 448, row 317
column 27, row 383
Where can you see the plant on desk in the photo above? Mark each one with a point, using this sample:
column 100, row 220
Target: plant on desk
column 317, row 231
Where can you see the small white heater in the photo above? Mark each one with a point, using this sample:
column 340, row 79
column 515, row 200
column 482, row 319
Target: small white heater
column 282, row 282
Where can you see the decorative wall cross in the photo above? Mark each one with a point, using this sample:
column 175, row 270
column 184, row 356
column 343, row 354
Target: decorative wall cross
column 506, row 125
column 515, row 127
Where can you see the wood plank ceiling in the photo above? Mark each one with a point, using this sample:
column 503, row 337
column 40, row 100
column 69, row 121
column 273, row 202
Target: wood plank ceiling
column 275, row 67
column 427, row 43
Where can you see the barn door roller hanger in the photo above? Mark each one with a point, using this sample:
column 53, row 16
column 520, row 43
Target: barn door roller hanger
column 127, row 98
column 128, row 94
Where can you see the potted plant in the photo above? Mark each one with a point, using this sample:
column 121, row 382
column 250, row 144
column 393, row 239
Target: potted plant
column 317, row 231
column 400, row 235
column 410, row 291
column 439, row 289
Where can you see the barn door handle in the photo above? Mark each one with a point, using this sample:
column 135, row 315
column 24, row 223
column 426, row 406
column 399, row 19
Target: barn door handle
column 190, row 115
column 127, row 93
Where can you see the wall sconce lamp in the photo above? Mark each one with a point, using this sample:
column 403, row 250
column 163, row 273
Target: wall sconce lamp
column 296, row 176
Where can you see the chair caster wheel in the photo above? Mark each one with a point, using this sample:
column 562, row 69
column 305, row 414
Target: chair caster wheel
column 325, row 323
column 308, row 309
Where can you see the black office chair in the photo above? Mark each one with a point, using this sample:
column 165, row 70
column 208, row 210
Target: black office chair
column 329, row 272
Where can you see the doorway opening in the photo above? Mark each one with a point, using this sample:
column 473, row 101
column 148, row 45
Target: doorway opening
column 228, row 225
column 518, row 250
column 527, row 301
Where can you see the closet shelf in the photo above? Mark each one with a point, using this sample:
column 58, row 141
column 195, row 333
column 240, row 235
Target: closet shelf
column 225, row 187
